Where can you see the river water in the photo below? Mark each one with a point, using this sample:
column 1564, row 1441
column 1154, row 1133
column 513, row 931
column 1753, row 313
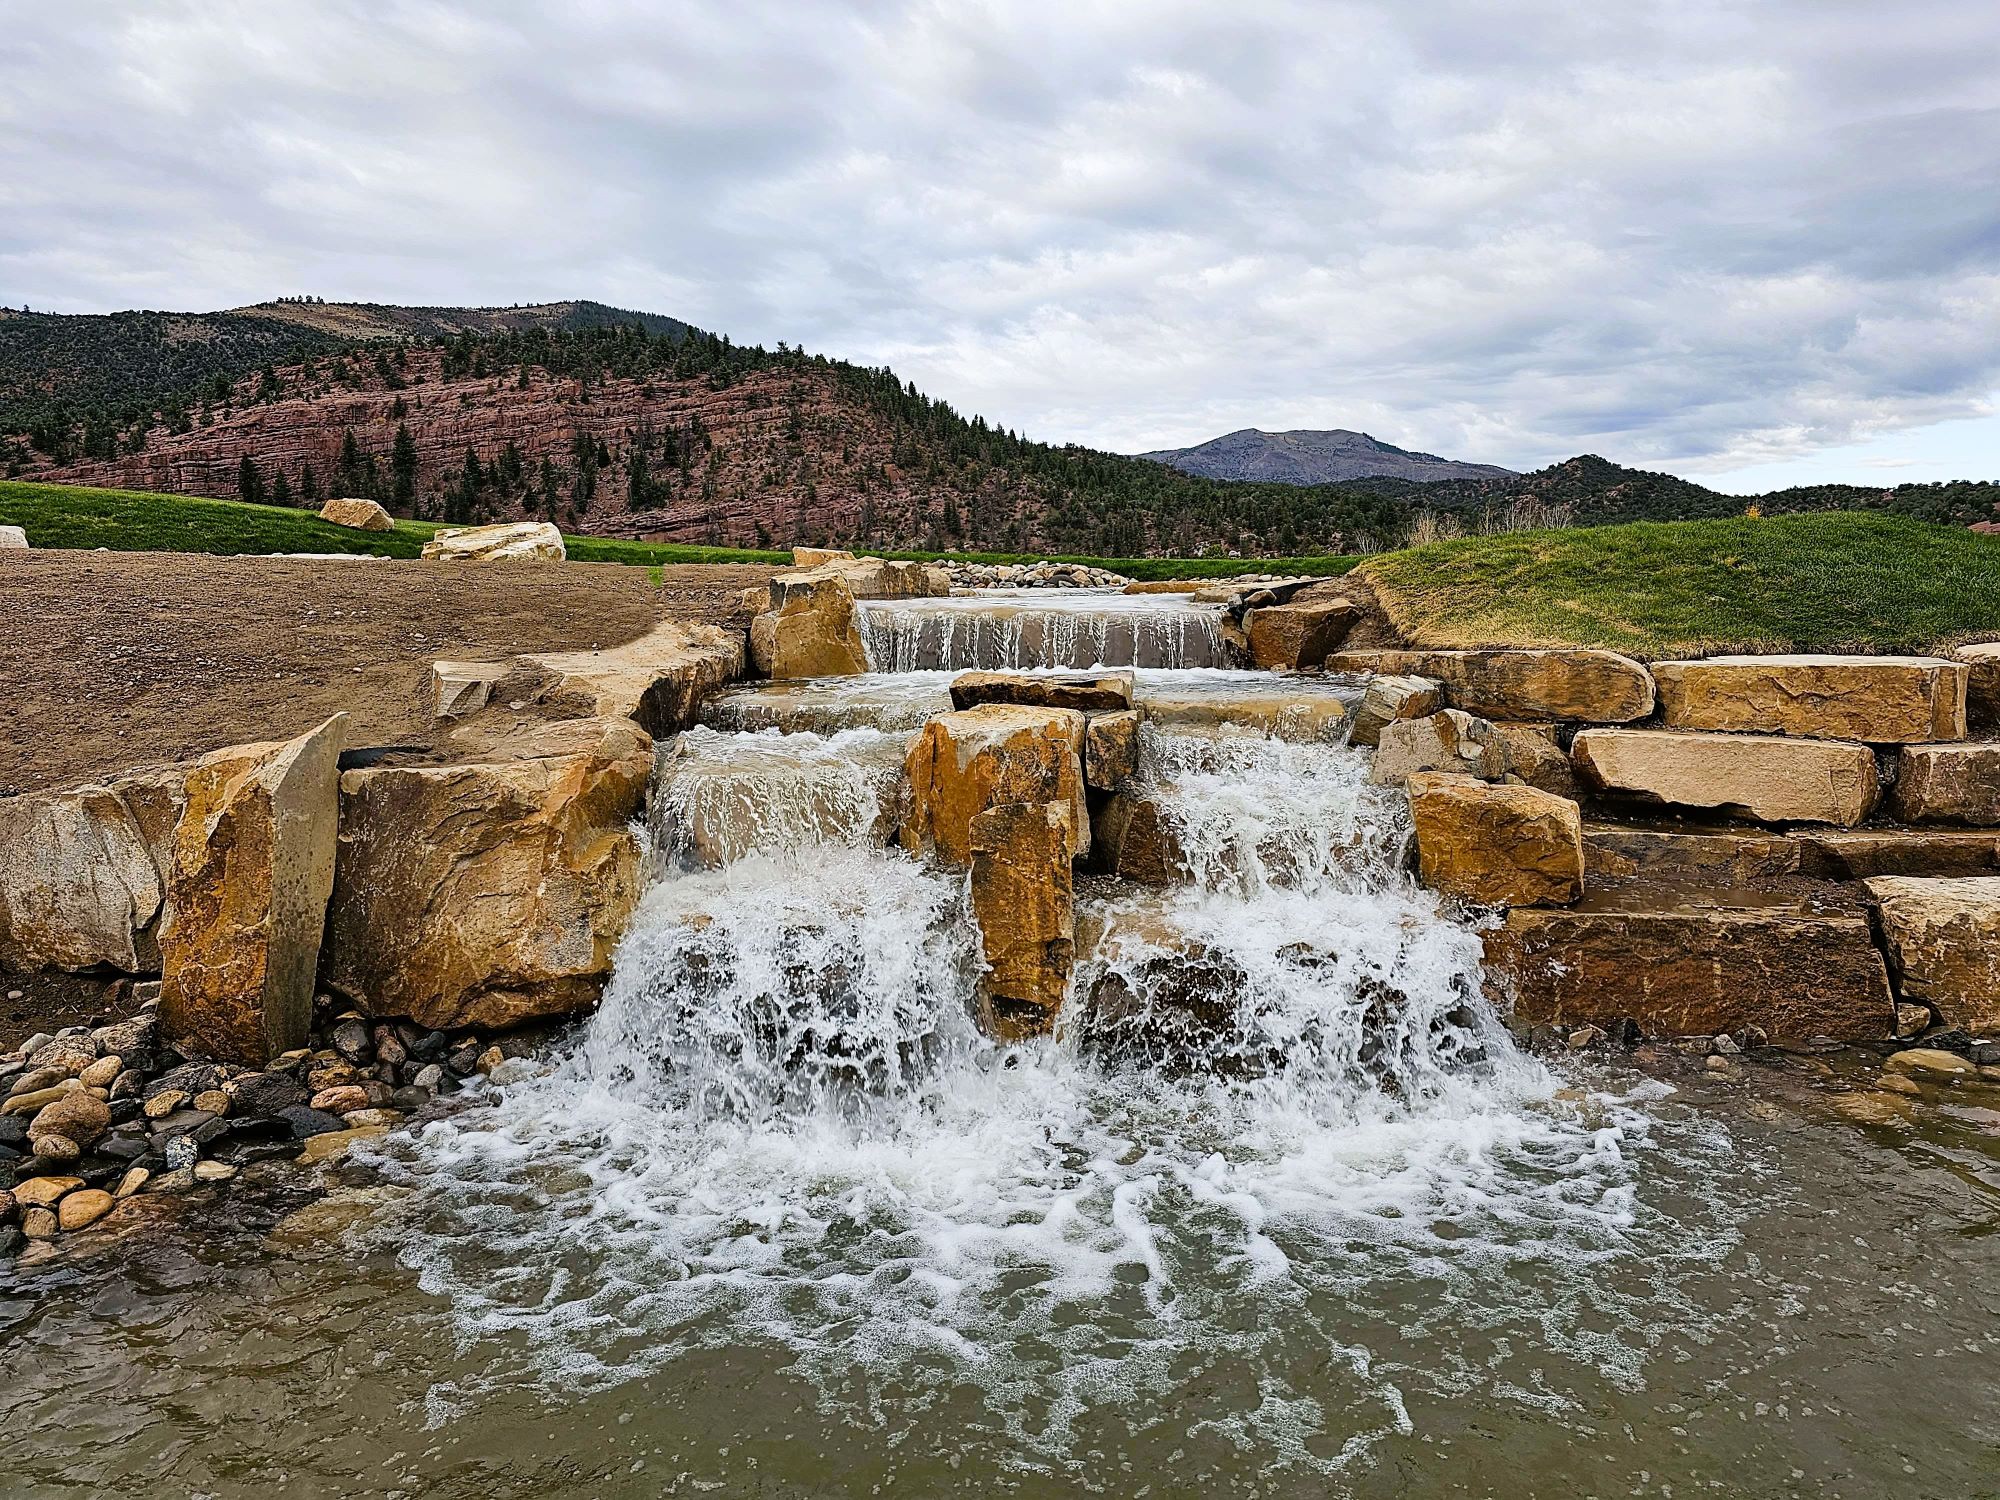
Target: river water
column 778, row 1220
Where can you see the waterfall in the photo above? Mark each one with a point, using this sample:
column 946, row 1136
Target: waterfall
column 1074, row 628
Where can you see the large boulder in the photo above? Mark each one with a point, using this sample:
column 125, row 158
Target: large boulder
column 491, row 893
column 83, row 873
column 1089, row 691
column 1452, row 740
column 1695, row 970
column 1872, row 699
column 1388, row 698
column 962, row 763
column 1496, row 845
column 813, row 557
column 246, row 896
column 1944, row 945
column 514, row 541
column 1595, row 687
column 1294, row 636
column 658, row 681
column 1024, row 901
column 1949, row 784
column 1283, row 708
column 1768, row 779
column 1982, row 685
column 13, row 539
column 874, row 578
column 361, row 515
column 810, row 630
column 1133, row 838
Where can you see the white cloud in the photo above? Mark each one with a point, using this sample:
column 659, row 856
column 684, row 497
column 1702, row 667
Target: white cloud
column 1696, row 233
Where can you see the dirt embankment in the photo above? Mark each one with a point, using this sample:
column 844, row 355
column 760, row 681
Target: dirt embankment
column 117, row 659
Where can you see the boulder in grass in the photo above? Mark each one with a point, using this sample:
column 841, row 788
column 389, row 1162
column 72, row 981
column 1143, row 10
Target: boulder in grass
column 13, row 538
column 357, row 515
column 515, row 541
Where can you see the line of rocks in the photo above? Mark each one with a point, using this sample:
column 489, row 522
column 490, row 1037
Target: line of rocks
column 95, row 1115
column 1035, row 575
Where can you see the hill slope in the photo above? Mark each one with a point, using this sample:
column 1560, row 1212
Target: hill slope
column 1310, row 457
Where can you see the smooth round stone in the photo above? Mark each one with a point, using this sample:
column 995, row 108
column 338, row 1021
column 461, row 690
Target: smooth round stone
column 82, row 1208
column 134, row 1179
column 41, row 1192
column 213, row 1171
column 1896, row 1083
column 39, row 1223
column 212, row 1101
column 100, row 1074
column 1933, row 1061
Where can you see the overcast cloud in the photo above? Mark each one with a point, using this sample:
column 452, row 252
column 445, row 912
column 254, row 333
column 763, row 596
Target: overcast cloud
column 1677, row 232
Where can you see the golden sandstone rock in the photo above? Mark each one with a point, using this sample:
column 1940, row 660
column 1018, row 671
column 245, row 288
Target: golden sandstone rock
column 246, row 896
column 1389, row 697
column 1448, row 741
column 1024, row 901
column 513, row 541
column 1111, row 749
column 1595, row 687
column 1135, row 839
column 360, row 515
column 1944, row 944
column 1292, row 636
column 491, row 893
column 1982, row 688
column 810, row 630
column 1496, row 845
column 657, row 681
column 962, row 763
column 1949, row 784
column 1768, row 779
column 1871, row 699
column 1089, row 691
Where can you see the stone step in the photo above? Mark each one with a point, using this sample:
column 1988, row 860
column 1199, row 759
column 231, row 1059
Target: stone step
column 1728, row 856
column 1876, row 700
column 1761, row 777
column 1943, row 938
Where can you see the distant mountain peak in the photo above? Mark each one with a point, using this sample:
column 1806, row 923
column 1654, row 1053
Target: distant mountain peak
column 1308, row 456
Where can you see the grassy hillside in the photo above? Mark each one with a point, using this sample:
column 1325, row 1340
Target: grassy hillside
column 61, row 515
column 1830, row 582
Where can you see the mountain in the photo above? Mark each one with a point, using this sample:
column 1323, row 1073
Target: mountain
column 1308, row 457
column 632, row 424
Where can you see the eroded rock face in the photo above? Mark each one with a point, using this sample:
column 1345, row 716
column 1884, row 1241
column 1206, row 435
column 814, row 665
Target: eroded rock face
column 492, row 893
column 1686, row 971
column 1870, row 699
column 1944, row 944
column 962, row 763
column 1949, row 784
column 1024, row 900
column 658, row 681
column 1088, row 691
column 1612, row 851
column 1292, row 636
column 1449, row 741
column 1768, row 779
column 361, row 515
column 1390, row 698
column 246, row 896
column 1534, row 757
column 83, row 873
column 1496, row 845
column 1597, row 687
column 810, row 630
column 514, row 541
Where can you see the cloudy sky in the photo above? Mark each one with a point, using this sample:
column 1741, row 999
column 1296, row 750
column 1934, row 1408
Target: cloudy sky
column 1753, row 241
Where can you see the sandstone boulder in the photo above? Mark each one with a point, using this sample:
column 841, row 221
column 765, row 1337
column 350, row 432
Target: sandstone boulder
column 361, row 515
column 83, row 873
column 962, row 763
column 813, row 557
column 874, row 578
column 1944, row 944
column 1598, row 687
column 1612, row 851
column 1535, row 757
column 1694, row 970
column 1768, row 779
column 246, row 896
column 1111, row 749
column 1134, row 839
column 1024, row 901
column 1949, row 784
column 658, row 681
column 461, row 688
column 1164, row 586
column 1089, row 691
column 1387, row 699
column 492, row 893
column 1870, row 699
column 1284, row 708
column 1982, row 685
column 1294, row 636
column 1452, row 740
column 811, row 629
column 1858, row 853
column 13, row 539
column 1496, row 845
column 513, row 541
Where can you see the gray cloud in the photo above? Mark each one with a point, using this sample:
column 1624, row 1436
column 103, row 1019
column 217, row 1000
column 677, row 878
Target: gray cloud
column 1676, row 232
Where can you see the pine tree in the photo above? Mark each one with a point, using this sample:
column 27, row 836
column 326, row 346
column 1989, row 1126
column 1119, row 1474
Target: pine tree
column 249, row 483
column 281, row 490
column 403, row 470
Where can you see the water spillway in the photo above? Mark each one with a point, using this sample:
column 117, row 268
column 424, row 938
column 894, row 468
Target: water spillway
column 1000, row 629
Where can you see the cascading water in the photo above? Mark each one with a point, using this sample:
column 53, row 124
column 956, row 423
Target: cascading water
column 1000, row 629
column 1277, row 1112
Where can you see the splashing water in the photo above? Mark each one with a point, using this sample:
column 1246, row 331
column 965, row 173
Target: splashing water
column 996, row 629
column 782, row 1130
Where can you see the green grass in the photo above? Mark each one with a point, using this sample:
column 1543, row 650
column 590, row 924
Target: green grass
column 1839, row 581
column 61, row 515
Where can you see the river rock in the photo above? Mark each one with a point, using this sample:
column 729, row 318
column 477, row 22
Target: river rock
column 101, row 1073
column 1598, row 687
column 492, row 893
column 1496, row 845
column 360, row 515
column 962, row 763
column 79, row 1116
column 1111, row 749
column 38, row 1223
column 1930, row 1062
column 1389, row 698
column 812, row 629
column 1694, row 970
column 1767, row 779
column 1452, row 740
column 1024, row 901
column 82, row 1208
column 134, row 1179
column 82, row 873
column 658, row 681
column 332, row 1145
column 265, row 1096
column 1089, row 691
column 1870, row 699
column 1944, row 944
column 512, row 541
column 340, row 1100
column 1299, row 635
column 246, row 896
column 1949, row 784
column 137, row 1035
column 42, row 1192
